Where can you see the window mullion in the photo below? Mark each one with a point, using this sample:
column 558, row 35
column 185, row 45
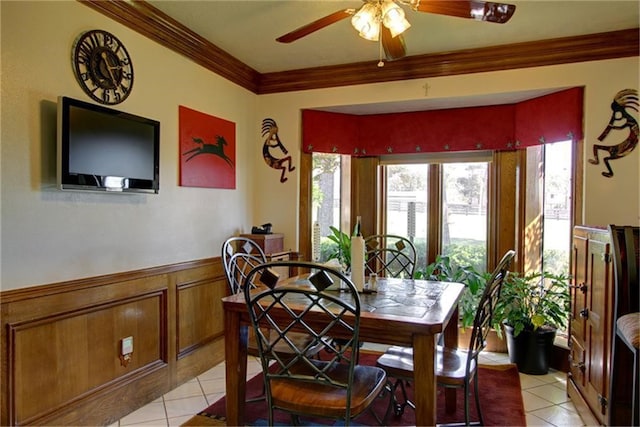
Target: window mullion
column 434, row 217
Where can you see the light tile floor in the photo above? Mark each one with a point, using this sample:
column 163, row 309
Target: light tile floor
column 544, row 397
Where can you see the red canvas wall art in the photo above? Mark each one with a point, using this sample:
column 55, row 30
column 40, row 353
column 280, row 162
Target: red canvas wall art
column 207, row 150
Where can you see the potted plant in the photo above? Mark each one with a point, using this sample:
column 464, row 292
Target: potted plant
column 530, row 309
column 342, row 249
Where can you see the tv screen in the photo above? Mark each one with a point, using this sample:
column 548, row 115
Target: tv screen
column 102, row 149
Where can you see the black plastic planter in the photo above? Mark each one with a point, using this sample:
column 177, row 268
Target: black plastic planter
column 530, row 350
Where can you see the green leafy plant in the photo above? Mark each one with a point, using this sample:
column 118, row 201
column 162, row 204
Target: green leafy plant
column 529, row 302
column 342, row 249
column 444, row 269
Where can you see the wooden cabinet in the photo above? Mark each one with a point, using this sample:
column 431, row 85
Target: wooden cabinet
column 590, row 326
column 270, row 243
column 285, row 272
column 273, row 247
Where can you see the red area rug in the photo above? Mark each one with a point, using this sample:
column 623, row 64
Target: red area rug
column 500, row 398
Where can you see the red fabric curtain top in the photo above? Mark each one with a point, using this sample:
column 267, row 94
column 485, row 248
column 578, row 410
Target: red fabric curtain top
column 549, row 118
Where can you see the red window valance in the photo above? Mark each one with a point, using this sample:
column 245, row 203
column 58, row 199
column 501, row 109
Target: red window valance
column 549, row 118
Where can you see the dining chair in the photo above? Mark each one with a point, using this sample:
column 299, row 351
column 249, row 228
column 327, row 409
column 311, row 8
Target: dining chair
column 455, row 368
column 388, row 255
column 239, row 256
column 335, row 387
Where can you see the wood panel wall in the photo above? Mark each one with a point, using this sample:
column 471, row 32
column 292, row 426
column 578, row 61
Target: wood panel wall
column 60, row 354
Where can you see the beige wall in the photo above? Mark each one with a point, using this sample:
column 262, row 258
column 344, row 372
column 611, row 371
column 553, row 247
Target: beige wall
column 49, row 236
column 606, row 200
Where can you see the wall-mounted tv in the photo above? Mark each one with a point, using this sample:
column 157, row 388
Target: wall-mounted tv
column 102, row 149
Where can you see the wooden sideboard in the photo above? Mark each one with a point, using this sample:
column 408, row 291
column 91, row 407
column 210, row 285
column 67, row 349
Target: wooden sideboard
column 590, row 325
column 270, row 243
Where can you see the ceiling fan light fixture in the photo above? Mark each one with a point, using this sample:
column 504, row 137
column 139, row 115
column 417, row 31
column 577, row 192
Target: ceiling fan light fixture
column 371, row 33
column 394, row 19
column 367, row 22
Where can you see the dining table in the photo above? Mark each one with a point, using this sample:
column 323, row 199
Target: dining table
column 406, row 312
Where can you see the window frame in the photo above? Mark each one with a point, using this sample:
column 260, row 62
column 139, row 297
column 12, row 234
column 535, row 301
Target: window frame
column 507, row 183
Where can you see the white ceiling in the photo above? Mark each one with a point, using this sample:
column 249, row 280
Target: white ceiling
column 247, row 29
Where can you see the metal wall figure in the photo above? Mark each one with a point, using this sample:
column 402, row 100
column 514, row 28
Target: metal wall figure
column 272, row 140
column 626, row 99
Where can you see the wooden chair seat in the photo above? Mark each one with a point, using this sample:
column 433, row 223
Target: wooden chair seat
column 451, row 364
column 323, row 400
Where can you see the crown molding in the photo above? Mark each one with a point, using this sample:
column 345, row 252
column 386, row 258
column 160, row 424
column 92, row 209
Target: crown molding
column 149, row 21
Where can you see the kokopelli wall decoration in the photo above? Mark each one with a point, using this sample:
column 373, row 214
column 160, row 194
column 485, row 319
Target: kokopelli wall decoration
column 621, row 118
column 273, row 144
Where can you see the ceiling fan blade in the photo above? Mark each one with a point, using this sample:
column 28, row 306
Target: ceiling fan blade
column 474, row 9
column 315, row 25
column 394, row 47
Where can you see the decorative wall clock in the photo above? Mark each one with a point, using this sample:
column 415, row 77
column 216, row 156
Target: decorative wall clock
column 102, row 67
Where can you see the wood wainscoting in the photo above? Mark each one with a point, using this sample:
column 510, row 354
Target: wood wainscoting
column 60, row 354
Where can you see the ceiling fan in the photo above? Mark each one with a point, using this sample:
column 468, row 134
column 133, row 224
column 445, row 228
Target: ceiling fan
column 385, row 20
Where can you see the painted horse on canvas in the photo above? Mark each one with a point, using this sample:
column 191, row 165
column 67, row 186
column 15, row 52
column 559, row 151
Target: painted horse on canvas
column 272, row 140
column 216, row 149
column 625, row 100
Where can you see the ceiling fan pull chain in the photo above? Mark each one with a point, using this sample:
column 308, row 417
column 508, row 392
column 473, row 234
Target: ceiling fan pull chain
column 381, row 62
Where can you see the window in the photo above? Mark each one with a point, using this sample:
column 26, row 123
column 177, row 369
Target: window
column 557, row 202
column 462, row 206
column 549, row 207
column 472, row 206
column 406, row 204
column 326, row 197
column 464, row 213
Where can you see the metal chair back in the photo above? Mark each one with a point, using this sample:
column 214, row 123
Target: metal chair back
column 303, row 305
column 239, row 256
column 389, row 255
column 484, row 312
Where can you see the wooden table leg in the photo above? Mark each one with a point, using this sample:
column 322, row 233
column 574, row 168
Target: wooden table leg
column 235, row 355
column 451, row 341
column 424, row 358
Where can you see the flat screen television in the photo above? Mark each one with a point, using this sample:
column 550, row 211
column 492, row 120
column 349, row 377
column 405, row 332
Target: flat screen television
column 102, row 149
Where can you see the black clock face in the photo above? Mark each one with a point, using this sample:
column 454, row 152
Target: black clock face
column 103, row 67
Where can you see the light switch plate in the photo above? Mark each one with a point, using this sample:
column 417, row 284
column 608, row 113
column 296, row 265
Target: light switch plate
column 127, row 346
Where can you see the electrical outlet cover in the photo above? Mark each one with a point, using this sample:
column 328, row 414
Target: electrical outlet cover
column 127, row 345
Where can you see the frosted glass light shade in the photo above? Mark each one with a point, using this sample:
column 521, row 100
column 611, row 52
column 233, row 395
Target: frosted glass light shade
column 393, row 18
column 367, row 22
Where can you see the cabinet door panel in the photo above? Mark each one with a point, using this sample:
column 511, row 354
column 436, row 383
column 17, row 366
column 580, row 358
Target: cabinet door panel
column 577, row 362
column 599, row 327
column 579, row 287
column 591, row 316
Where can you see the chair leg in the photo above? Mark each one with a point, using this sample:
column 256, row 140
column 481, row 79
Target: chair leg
column 475, row 387
column 635, row 406
column 394, row 404
column 467, row 421
column 385, row 417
